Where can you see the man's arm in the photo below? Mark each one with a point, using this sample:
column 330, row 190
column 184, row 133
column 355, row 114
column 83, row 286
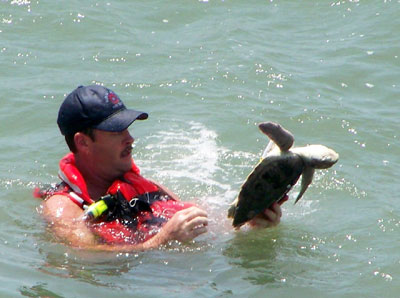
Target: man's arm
column 271, row 217
column 66, row 219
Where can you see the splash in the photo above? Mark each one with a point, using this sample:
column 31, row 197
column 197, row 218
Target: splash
column 187, row 159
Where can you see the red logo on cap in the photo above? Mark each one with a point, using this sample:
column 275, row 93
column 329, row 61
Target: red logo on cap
column 112, row 97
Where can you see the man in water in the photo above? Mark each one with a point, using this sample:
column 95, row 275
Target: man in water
column 131, row 211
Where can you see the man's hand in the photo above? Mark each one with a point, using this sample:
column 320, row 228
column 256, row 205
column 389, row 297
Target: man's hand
column 269, row 217
column 185, row 225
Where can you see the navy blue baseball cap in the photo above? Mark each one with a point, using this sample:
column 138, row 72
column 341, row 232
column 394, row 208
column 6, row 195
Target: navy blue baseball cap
column 95, row 107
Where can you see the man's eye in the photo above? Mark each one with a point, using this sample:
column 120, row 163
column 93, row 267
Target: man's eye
column 116, row 133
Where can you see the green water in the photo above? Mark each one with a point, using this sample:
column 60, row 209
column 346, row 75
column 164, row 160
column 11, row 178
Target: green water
column 207, row 72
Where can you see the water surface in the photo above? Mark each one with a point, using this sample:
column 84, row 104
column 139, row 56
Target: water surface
column 207, row 72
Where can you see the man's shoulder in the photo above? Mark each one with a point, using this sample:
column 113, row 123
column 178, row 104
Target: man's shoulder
column 59, row 204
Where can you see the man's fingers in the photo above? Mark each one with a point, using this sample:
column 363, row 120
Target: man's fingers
column 188, row 223
column 268, row 218
column 199, row 221
column 260, row 223
column 194, row 209
column 192, row 212
column 283, row 200
column 277, row 209
column 198, row 231
column 272, row 216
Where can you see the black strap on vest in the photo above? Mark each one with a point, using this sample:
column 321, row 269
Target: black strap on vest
column 128, row 210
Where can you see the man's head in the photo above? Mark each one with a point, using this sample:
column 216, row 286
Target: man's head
column 94, row 107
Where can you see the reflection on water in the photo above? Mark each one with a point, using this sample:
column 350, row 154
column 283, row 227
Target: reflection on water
column 256, row 252
column 106, row 268
column 282, row 255
column 87, row 266
column 38, row 290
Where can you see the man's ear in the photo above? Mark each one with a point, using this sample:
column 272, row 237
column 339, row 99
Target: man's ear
column 81, row 141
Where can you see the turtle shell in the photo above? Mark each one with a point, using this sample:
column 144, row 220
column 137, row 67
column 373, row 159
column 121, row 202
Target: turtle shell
column 270, row 180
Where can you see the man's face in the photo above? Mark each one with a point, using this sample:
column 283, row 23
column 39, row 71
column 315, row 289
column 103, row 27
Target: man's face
column 110, row 153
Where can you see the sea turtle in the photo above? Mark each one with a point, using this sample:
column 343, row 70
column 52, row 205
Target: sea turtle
column 277, row 172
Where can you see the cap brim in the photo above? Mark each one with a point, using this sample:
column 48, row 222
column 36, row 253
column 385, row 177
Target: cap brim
column 121, row 120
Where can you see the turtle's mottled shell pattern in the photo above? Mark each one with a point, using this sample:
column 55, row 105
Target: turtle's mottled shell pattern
column 270, row 180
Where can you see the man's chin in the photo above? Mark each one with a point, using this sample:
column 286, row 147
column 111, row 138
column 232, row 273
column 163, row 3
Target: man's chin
column 127, row 166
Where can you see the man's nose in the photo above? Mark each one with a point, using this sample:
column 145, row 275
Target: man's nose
column 128, row 138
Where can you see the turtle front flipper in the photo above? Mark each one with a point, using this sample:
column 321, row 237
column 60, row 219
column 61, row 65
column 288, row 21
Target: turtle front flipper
column 306, row 179
column 270, row 147
column 282, row 137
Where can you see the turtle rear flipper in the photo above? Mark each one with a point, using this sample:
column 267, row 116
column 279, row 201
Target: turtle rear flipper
column 306, row 179
column 232, row 209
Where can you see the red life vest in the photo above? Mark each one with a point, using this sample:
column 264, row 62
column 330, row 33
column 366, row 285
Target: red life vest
column 147, row 207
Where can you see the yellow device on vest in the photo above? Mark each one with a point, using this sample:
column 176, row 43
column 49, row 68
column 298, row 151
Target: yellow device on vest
column 98, row 208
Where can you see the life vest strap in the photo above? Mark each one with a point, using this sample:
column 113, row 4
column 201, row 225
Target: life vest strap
column 128, row 209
